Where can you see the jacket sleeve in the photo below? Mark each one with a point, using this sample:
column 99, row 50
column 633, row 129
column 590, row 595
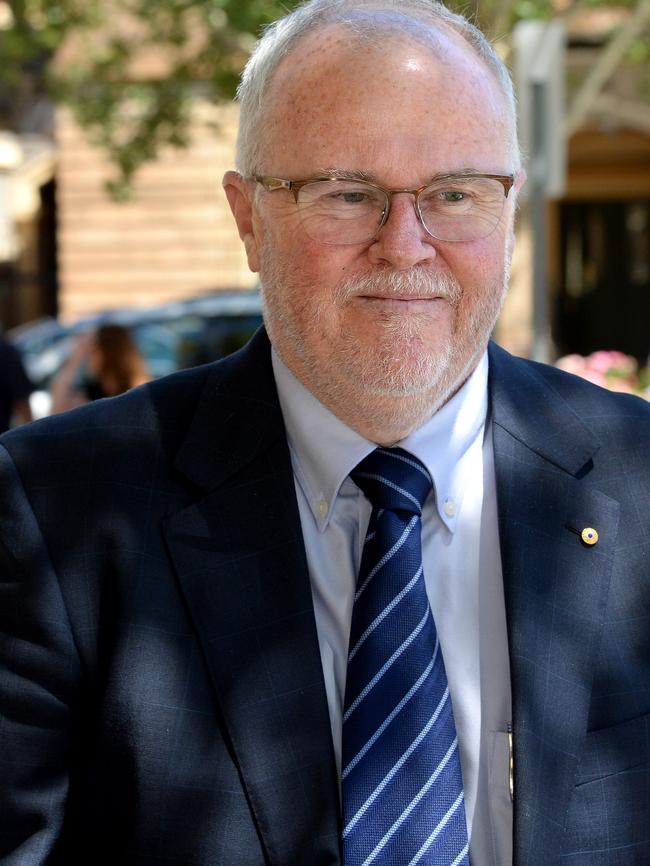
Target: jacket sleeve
column 40, row 673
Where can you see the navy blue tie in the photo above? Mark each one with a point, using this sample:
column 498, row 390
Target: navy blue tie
column 401, row 777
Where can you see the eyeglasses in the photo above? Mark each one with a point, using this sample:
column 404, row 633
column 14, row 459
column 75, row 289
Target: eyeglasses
column 453, row 207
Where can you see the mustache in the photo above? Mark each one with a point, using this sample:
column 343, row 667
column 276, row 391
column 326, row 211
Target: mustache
column 415, row 283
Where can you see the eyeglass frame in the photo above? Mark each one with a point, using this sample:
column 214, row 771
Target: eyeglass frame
column 271, row 184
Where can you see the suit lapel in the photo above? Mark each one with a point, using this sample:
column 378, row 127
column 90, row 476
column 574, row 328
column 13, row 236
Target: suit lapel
column 555, row 589
column 240, row 559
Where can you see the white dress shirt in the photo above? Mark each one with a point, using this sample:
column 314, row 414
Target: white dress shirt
column 462, row 570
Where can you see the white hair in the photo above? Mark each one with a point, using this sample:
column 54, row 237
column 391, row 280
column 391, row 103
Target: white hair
column 367, row 19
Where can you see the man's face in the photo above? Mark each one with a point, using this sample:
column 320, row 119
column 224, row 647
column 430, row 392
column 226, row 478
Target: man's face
column 403, row 315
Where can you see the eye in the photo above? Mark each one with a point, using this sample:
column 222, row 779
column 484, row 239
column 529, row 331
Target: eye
column 459, row 197
column 344, row 198
column 352, row 196
column 452, row 195
column 344, row 195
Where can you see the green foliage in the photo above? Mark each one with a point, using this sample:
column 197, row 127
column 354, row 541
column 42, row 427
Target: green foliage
column 128, row 68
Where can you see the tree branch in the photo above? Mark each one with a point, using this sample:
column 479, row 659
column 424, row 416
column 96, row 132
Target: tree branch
column 608, row 60
column 629, row 112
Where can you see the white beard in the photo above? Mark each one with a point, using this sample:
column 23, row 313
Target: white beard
column 402, row 362
column 398, row 379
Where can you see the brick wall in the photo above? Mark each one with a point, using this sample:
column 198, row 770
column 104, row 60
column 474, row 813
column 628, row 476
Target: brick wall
column 174, row 239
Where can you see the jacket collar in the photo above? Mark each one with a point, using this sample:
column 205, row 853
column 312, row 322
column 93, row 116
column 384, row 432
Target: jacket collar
column 237, row 419
column 555, row 588
column 246, row 585
column 525, row 405
column 241, row 565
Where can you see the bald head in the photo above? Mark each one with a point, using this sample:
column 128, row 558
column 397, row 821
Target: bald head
column 429, row 89
column 350, row 28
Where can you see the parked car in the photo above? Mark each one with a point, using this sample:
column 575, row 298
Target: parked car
column 171, row 336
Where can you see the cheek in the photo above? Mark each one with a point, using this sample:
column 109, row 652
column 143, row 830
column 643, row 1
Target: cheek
column 480, row 266
column 327, row 264
column 301, row 277
column 319, row 268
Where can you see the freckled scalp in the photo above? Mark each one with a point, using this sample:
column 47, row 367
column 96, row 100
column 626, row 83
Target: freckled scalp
column 342, row 101
column 361, row 21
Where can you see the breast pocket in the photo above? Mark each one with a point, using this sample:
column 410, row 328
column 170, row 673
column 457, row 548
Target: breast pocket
column 608, row 818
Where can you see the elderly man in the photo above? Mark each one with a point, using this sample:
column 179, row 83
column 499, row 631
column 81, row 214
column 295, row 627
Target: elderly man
column 367, row 592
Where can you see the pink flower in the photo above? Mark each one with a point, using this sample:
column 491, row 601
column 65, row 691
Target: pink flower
column 604, row 361
column 609, row 369
column 594, row 376
column 571, row 364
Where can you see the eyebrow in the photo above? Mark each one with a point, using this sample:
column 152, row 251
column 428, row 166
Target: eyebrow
column 348, row 174
column 369, row 177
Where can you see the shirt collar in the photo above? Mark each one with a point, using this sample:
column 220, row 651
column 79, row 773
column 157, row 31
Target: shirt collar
column 324, row 450
column 445, row 441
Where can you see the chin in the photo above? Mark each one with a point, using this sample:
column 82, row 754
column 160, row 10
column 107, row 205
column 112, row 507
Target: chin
column 400, row 380
column 394, row 365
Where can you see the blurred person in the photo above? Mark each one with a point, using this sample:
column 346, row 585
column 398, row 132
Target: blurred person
column 102, row 364
column 371, row 590
column 15, row 388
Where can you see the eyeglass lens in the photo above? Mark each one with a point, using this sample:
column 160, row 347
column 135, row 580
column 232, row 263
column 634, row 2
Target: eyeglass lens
column 351, row 211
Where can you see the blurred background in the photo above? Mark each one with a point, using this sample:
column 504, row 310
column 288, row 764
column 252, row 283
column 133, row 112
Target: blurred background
column 117, row 123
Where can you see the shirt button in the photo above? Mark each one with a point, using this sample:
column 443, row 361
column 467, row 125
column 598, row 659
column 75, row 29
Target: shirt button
column 450, row 507
column 322, row 508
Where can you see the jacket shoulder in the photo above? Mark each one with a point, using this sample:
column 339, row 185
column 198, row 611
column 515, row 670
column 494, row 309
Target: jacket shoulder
column 145, row 427
column 158, row 405
column 591, row 403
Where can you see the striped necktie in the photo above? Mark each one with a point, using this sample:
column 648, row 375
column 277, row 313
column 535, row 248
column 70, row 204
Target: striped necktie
column 401, row 776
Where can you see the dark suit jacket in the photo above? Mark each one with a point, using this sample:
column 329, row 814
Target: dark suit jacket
column 161, row 693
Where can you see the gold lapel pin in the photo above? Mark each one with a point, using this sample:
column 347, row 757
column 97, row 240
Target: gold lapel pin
column 589, row 535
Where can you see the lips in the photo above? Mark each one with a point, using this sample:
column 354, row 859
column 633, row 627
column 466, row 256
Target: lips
column 413, row 287
column 403, row 304
column 404, row 298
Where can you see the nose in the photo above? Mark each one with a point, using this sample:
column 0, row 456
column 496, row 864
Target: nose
column 402, row 241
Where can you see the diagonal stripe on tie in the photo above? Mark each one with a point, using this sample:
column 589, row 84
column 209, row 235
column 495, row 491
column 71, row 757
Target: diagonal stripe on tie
column 382, row 480
column 401, row 779
column 398, row 454
column 398, row 766
column 459, row 859
column 412, row 805
column 387, row 556
column 382, row 670
column 382, row 616
column 389, row 718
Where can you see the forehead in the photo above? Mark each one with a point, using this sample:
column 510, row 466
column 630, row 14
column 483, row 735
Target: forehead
column 395, row 105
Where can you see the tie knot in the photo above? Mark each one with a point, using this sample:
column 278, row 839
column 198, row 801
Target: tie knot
column 392, row 478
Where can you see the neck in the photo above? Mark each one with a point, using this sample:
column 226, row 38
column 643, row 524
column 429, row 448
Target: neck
column 387, row 419
column 383, row 412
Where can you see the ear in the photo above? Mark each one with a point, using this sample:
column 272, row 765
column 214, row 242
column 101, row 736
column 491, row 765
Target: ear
column 520, row 179
column 239, row 195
